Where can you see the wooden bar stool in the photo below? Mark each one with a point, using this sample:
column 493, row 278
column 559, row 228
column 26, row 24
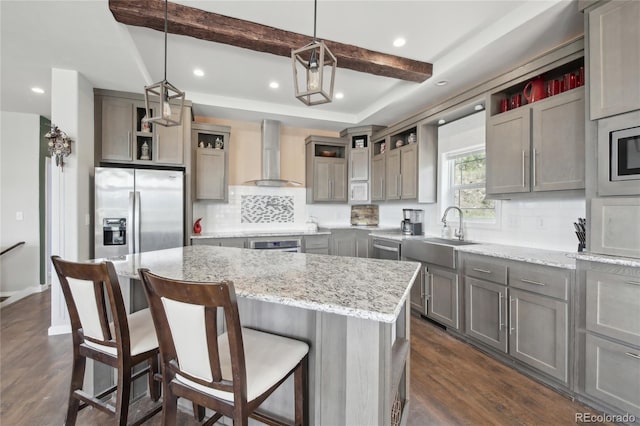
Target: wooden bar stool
column 123, row 343
column 231, row 374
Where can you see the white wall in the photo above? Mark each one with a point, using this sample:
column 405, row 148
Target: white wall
column 72, row 112
column 19, row 139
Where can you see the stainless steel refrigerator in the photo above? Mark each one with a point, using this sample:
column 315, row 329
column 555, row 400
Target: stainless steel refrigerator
column 137, row 210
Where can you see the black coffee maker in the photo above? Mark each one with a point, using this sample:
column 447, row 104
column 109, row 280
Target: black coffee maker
column 412, row 222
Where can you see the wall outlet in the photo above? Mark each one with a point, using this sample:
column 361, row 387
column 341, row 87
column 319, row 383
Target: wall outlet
column 19, row 216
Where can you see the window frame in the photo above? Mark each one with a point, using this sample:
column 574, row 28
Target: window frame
column 449, row 188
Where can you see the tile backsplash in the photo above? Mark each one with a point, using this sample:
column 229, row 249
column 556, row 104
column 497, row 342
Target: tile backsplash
column 542, row 222
column 266, row 208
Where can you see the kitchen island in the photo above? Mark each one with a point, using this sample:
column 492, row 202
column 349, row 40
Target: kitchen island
column 352, row 312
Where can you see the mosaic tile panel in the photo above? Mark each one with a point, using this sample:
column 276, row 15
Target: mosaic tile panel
column 266, row 209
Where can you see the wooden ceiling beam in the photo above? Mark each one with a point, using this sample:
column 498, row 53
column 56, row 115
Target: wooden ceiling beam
column 188, row 21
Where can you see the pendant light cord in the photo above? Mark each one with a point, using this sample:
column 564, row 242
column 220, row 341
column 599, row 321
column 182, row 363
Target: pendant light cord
column 165, row 39
column 315, row 12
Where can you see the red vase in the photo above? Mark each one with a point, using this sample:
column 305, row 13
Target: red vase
column 197, row 228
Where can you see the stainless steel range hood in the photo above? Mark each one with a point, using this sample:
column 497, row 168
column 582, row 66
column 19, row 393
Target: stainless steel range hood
column 271, row 157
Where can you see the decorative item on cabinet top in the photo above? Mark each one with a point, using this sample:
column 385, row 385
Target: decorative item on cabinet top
column 553, row 82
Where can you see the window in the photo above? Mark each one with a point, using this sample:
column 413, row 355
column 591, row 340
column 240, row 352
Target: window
column 467, row 186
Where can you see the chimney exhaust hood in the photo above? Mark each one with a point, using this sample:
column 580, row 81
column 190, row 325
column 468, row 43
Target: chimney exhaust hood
column 270, row 131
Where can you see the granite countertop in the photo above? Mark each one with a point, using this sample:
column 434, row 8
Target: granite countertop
column 248, row 234
column 613, row 260
column 364, row 288
column 558, row 259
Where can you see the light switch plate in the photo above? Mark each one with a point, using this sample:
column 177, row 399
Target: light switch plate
column 19, row 216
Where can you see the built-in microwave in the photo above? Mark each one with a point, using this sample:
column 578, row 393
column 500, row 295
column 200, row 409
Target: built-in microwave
column 625, row 154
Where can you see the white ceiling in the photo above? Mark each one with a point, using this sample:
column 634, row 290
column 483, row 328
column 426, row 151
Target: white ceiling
column 467, row 42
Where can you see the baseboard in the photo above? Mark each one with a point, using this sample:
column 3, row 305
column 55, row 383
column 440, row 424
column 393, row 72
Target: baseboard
column 54, row 330
column 14, row 296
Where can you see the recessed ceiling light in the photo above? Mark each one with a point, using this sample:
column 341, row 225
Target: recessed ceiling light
column 198, row 72
column 478, row 107
column 442, row 121
column 339, row 95
column 441, row 83
column 399, row 42
column 37, row 90
column 274, row 84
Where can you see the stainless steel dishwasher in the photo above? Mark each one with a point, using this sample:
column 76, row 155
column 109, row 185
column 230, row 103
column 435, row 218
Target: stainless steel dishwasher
column 386, row 249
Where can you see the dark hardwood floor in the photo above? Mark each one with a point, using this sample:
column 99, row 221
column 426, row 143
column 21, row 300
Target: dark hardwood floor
column 451, row 382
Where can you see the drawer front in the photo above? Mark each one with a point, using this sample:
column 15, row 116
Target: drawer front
column 205, row 242
column 319, row 241
column 613, row 302
column 317, row 250
column 613, row 374
column 549, row 281
column 486, row 268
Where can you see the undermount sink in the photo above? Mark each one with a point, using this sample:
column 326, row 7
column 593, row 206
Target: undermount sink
column 435, row 251
column 447, row 241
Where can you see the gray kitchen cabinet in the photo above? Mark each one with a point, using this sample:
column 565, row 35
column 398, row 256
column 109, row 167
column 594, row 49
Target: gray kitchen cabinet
column 326, row 169
column 612, row 373
column 359, row 164
column 486, row 313
column 121, row 136
column 392, row 172
column 343, row 242
column 558, row 135
column 614, row 60
column 212, row 164
column 329, row 179
column 168, row 141
column 417, row 296
column 362, row 243
column 538, row 332
column 220, row 242
column 316, row 244
column 210, row 174
column 442, row 296
column 117, row 128
column 521, row 309
column 401, row 173
column 378, row 174
column 613, row 306
column 360, row 148
column 615, row 226
column 607, row 346
column 538, row 147
column 508, row 152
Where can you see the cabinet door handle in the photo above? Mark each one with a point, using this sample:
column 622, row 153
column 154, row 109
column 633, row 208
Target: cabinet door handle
column 632, row 355
column 532, row 282
column 633, row 282
column 511, row 327
column 430, row 292
column 500, row 323
column 422, row 294
column 129, row 143
column 534, row 167
column 400, row 185
column 523, row 168
column 484, row 271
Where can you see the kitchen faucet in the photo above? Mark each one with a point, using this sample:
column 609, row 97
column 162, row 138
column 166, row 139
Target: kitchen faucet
column 459, row 232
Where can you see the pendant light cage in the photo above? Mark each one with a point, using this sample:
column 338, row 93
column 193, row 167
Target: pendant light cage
column 314, row 70
column 170, row 100
column 169, row 104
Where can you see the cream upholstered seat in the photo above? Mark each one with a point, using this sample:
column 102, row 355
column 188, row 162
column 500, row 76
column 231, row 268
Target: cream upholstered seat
column 142, row 334
column 231, row 373
column 90, row 291
column 268, row 358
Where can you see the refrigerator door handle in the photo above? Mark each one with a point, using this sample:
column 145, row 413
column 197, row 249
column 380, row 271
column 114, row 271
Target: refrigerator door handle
column 137, row 230
column 131, row 227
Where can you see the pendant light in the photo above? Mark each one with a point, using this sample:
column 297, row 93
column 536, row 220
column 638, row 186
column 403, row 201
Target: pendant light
column 314, row 70
column 170, row 113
